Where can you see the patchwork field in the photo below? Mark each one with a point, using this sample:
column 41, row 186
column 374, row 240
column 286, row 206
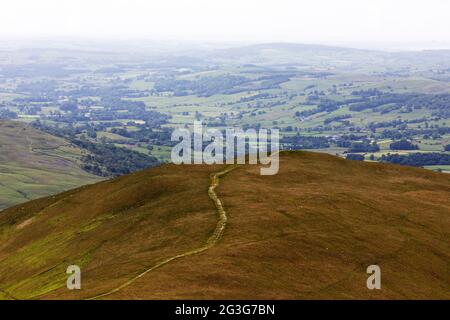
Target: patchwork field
column 134, row 100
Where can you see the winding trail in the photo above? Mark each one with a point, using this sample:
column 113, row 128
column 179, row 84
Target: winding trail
column 211, row 242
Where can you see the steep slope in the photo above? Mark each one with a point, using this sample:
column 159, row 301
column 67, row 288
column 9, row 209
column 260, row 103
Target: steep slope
column 34, row 164
column 308, row 232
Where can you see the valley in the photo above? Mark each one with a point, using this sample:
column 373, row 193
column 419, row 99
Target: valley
column 111, row 112
column 134, row 100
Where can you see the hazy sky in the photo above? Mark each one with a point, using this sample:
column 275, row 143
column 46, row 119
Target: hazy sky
column 228, row 20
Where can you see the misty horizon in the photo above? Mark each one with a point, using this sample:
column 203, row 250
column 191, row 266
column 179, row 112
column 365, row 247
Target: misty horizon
column 178, row 45
column 385, row 24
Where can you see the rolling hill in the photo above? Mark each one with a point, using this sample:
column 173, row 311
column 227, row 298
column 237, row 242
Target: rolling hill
column 325, row 56
column 34, row 164
column 217, row 232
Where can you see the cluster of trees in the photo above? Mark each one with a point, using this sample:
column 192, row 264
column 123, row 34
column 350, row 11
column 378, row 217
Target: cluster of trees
column 113, row 103
column 273, row 81
column 346, row 140
column 372, row 92
column 403, row 145
column 205, row 86
column 380, row 100
column 40, row 87
column 398, row 134
column 337, row 118
column 102, row 159
column 108, row 160
column 364, row 146
column 30, row 110
column 324, row 105
column 48, row 91
column 223, row 84
column 69, row 106
column 405, row 101
column 147, row 135
column 353, row 156
column 397, row 123
column 113, row 109
column 438, row 102
column 7, row 114
column 118, row 90
column 418, row 159
column 256, row 97
column 305, row 142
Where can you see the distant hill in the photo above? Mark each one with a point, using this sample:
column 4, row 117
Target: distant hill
column 293, row 53
column 323, row 56
column 308, row 232
column 34, row 164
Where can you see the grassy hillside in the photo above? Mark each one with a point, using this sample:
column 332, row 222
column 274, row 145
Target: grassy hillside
column 308, row 232
column 34, row 164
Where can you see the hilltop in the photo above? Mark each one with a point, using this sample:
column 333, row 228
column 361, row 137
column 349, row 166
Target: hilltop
column 308, row 232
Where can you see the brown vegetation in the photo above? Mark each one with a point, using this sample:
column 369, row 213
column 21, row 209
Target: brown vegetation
column 308, row 232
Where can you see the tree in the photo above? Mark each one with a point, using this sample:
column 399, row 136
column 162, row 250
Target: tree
column 403, row 145
column 357, row 157
column 69, row 106
column 364, row 147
